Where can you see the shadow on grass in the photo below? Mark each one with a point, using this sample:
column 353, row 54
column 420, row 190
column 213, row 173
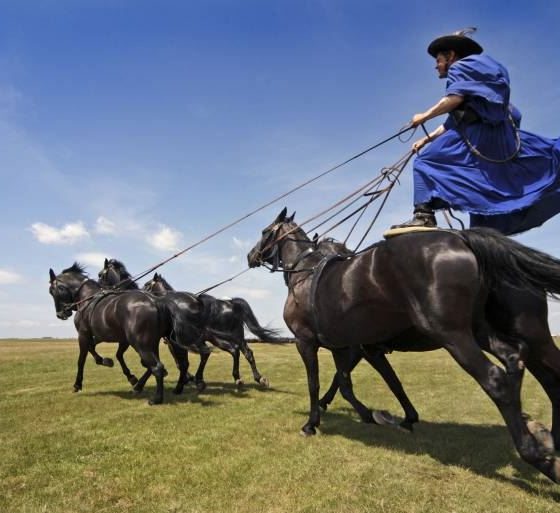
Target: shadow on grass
column 191, row 395
column 483, row 449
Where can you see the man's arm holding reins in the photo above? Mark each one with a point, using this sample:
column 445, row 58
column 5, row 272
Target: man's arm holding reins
column 444, row 106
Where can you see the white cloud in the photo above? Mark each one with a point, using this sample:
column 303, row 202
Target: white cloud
column 68, row 234
column 105, row 226
column 94, row 259
column 8, row 277
column 166, row 239
column 242, row 244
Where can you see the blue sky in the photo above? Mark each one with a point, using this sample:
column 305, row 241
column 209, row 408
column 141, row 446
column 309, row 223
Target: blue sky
column 131, row 129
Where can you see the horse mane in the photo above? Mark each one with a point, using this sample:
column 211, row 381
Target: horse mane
column 165, row 282
column 119, row 265
column 76, row 268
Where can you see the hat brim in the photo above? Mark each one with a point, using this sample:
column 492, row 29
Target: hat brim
column 461, row 44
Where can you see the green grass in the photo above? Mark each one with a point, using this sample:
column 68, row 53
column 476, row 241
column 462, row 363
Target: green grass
column 106, row 450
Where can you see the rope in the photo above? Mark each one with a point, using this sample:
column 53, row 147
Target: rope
column 403, row 130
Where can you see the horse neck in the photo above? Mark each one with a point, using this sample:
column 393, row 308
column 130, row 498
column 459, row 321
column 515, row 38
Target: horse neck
column 292, row 247
column 86, row 289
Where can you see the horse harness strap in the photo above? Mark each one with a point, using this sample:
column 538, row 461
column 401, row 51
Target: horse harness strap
column 313, row 294
column 95, row 301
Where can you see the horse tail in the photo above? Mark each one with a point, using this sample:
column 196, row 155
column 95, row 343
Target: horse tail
column 504, row 261
column 250, row 320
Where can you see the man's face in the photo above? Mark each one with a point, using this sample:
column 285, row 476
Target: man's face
column 443, row 61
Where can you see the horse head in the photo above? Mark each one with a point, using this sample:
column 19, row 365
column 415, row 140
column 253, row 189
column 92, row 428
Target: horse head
column 268, row 249
column 157, row 285
column 64, row 288
column 115, row 273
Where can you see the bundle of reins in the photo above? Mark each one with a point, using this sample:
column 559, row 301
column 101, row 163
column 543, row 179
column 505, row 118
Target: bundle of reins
column 380, row 186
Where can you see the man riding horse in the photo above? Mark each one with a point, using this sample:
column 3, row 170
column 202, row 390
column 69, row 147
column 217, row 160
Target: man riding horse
column 478, row 160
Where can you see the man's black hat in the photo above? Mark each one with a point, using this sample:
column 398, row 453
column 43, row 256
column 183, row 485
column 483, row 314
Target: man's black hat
column 459, row 42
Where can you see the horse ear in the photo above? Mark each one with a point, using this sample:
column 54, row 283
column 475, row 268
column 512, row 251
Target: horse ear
column 282, row 215
column 52, row 276
column 106, row 264
column 291, row 218
column 315, row 238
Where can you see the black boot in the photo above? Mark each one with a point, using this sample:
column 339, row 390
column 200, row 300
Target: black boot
column 423, row 217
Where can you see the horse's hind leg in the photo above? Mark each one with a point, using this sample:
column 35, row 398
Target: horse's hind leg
column 132, row 379
column 153, row 363
column 199, row 376
column 342, row 361
column 250, row 357
column 377, row 359
column 179, row 354
column 355, row 358
column 497, row 384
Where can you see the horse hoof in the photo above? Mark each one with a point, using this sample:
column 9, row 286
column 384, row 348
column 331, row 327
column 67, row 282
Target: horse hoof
column 542, row 436
column 201, row 386
column 108, row 362
column 138, row 390
column 133, row 380
column 155, row 402
column 383, row 418
column 76, row 389
column 178, row 390
column 189, row 378
column 264, row 382
column 308, row 431
column 239, row 383
column 323, row 406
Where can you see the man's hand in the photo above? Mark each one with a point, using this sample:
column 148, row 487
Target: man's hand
column 418, row 119
column 418, row 145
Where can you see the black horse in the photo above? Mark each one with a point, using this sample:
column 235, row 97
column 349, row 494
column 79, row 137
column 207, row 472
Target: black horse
column 228, row 316
column 430, row 288
column 131, row 318
column 519, row 317
column 225, row 322
column 114, row 275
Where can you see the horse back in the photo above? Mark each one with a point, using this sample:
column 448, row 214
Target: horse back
column 398, row 285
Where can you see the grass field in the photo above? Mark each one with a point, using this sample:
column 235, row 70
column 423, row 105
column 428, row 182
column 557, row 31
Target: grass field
column 106, row 450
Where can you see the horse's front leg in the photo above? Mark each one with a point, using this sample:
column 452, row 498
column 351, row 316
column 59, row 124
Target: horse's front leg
column 100, row 360
column 85, row 342
column 308, row 352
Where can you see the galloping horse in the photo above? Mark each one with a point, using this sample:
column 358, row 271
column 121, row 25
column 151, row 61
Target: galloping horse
column 520, row 320
column 224, row 322
column 131, row 318
column 228, row 316
column 431, row 288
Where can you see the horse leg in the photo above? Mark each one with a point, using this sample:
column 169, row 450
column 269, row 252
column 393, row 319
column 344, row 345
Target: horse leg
column 139, row 386
column 132, row 379
column 377, row 359
column 99, row 360
column 179, row 354
column 235, row 370
column 355, row 358
column 551, row 385
column 250, row 357
column 342, row 362
column 199, row 376
column 498, row 386
column 153, row 363
column 308, row 351
column 550, row 357
column 84, row 343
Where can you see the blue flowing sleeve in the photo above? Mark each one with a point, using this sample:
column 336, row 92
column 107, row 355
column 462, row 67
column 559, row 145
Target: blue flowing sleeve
column 484, row 83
